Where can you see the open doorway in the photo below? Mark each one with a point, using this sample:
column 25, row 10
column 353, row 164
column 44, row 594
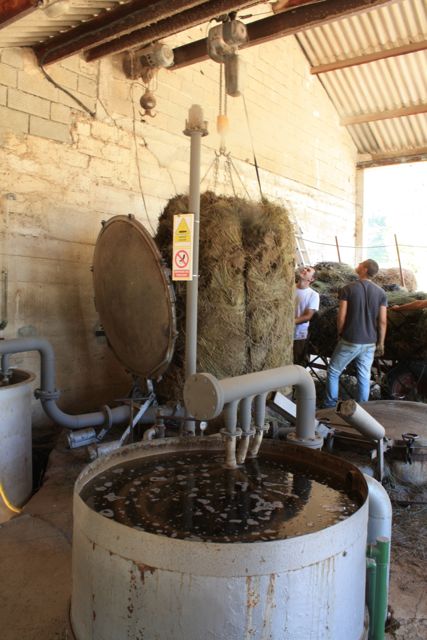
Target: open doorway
column 395, row 211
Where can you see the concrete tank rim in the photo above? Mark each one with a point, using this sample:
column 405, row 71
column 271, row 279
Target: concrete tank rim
column 202, row 558
column 30, row 377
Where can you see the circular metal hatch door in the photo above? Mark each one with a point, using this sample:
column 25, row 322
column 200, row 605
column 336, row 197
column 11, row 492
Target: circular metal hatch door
column 134, row 297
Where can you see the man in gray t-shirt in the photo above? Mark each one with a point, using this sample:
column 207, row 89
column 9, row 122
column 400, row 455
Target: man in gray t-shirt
column 361, row 324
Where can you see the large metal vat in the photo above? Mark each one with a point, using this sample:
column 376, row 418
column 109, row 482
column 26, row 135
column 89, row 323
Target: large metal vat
column 15, row 437
column 128, row 583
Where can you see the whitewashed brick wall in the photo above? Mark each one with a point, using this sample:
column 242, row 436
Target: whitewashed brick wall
column 62, row 171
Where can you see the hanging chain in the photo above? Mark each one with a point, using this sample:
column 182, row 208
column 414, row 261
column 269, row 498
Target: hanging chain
column 227, row 167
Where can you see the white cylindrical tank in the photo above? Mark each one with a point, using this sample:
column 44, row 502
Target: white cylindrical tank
column 128, row 583
column 15, row 437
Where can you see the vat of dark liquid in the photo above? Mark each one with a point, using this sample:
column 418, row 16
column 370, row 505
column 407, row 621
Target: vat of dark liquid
column 169, row 544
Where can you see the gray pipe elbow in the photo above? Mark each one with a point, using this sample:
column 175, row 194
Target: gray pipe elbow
column 380, row 511
column 47, row 367
column 82, row 420
column 48, row 393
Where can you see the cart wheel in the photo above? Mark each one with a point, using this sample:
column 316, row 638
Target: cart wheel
column 403, row 386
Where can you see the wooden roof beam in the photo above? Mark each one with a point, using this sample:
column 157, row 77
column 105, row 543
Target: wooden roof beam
column 281, row 25
column 368, row 160
column 284, row 5
column 108, row 25
column 362, row 118
column 168, row 27
column 11, row 10
column 410, row 47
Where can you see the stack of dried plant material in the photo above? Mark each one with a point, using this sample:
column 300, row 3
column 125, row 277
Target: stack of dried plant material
column 246, row 288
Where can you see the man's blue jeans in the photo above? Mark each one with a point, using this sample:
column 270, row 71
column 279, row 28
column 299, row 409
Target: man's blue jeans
column 344, row 353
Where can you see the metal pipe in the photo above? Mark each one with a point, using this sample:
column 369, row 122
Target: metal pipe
column 260, row 410
column 192, row 285
column 104, row 449
column 230, row 417
column 379, row 531
column 5, row 366
column 230, row 433
column 195, row 128
column 380, row 511
column 47, row 392
column 259, row 424
column 47, row 363
column 357, row 417
column 205, row 396
column 245, row 415
column 6, row 370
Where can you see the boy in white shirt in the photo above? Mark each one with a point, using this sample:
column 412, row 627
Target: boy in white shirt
column 306, row 304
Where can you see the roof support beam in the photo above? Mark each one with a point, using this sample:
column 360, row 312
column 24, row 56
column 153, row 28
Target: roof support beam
column 404, row 155
column 108, row 25
column 284, row 5
column 169, row 26
column 410, row 47
column 384, row 115
column 11, row 10
column 280, row 25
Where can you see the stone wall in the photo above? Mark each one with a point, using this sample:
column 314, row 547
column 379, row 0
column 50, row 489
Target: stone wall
column 63, row 170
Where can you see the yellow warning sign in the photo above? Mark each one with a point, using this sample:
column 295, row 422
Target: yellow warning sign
column 182, row 232
column 182, row 250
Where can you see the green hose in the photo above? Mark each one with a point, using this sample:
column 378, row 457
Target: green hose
column 377, row 566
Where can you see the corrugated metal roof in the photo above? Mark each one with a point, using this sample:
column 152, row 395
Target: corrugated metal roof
column 378, row 88
column 42, row 23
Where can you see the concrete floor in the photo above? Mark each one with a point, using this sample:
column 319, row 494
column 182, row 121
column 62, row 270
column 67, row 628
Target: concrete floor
column 35, row 557
column 35, row 561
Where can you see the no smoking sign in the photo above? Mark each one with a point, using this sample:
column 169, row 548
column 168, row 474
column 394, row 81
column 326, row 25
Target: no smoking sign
column 182, row 257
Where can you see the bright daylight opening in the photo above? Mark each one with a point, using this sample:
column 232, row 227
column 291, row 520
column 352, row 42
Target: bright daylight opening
column 395, row 211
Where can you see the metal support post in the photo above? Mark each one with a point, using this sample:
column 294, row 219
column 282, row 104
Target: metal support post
column 195, row 128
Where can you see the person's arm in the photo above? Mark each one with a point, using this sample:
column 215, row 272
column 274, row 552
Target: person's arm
column 342, row 314
column 382, row 328
column 306, row 316
column 415, row 304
